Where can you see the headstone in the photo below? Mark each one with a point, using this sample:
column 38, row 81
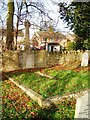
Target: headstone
column 83, row 107
column 22, row 47
column 30, row 61
column 78, row 51
column 27, row 59
column 85, row 59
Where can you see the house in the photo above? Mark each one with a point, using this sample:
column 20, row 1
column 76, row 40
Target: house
column 68, row 38
column 71, row 37
column 52, row 39
column 53, row 47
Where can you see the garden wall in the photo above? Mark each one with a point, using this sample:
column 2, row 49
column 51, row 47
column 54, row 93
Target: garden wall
column 10, row 60
column 14, row 60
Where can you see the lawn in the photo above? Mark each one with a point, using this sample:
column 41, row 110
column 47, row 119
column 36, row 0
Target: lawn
column 63, row 82
column 18, row 106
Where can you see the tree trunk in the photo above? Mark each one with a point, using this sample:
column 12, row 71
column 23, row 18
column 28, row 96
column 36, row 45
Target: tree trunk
column 10, row 31
column 16, row 33
column 17, row 24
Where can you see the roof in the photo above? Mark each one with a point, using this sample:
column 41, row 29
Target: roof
column 48, row 34
column 53, row 43
column 70, row 37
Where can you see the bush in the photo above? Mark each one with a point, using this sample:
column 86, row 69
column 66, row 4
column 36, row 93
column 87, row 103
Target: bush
column 71, row 46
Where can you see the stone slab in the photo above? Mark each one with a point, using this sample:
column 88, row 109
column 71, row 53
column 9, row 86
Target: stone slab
column 83, row 107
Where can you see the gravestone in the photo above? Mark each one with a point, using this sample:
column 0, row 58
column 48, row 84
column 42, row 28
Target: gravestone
column 83, row 107
column 28, row 58
column 85, row 59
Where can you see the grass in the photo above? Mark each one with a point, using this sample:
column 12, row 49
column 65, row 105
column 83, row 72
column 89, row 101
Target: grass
column 63, row 82
column 18, row 106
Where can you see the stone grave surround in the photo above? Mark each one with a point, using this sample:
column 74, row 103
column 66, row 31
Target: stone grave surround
column 83, row 107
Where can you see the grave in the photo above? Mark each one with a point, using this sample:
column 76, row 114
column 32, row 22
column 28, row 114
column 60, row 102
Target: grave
column 27, row 60
column 85, row 59
column 83, row 107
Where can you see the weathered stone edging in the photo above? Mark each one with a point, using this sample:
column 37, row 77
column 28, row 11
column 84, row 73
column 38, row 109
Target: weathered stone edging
column 40, row 99
column 42, row 74
column 56, row 99
column 33, row 95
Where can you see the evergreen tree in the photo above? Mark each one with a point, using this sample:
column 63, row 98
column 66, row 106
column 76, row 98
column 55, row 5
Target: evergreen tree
column 78, row 19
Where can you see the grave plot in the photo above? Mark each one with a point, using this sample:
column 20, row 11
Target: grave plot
column 62, row 82
column 47, row 90
column 59, row 88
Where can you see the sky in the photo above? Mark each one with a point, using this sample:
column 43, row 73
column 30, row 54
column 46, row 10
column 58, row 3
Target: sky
column 54, row 14
column 52, row 10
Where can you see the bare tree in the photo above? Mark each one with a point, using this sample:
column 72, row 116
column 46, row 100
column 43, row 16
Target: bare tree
column 35, row 12
column 28, row 10
column 19, row 8
column 9, row 39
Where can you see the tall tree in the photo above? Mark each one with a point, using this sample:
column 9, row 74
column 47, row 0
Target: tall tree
column 37, row 13
column 19, row 9
column 78, row 19
column 10, row 31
